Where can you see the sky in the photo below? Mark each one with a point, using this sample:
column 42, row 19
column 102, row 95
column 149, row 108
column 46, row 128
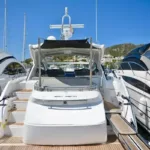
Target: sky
column 119, row 21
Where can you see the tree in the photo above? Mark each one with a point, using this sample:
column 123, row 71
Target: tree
column 28, row 61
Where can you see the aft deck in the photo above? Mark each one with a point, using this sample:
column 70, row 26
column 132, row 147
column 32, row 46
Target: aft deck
column 15, row 143
column 128, row 138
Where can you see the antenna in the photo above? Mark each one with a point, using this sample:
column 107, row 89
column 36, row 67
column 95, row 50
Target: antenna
column 66, row 29
column 5, row 28
column 24, row 39
column 96, row 21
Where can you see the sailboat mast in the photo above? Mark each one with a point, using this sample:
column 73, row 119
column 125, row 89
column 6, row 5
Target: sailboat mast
column 5, row 27
column 24, row 39
column 96, row 21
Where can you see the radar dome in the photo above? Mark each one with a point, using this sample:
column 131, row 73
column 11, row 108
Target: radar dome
column 51, row 38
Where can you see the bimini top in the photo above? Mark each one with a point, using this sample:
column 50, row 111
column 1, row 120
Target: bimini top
column 61, row 47
column 51, row 44
column 140, row 55
column 65, row 43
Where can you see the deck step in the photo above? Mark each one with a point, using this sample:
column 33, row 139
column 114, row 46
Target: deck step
column 21, row 103
column 111, row 109
column 23, row 94
column 133, row 142
column 17, row 115
column 14, row 129
column 139, row 142
column 25, row 90
column 125, row 139
column 120, row 125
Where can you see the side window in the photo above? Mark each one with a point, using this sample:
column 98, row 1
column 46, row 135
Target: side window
column 124, row 66
column 14, row 68
column 137, row 61
column 138, row 84
column 147, row 54
column 135, row 66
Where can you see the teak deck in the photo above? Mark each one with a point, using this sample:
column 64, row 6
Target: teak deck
column 120, row 124
column 15, row 143
column 124, row 132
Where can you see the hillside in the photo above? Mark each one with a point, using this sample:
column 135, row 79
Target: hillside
column 120, row 49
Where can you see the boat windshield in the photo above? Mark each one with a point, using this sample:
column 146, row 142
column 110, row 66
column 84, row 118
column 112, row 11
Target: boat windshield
column 147, row 54
column 67, row 66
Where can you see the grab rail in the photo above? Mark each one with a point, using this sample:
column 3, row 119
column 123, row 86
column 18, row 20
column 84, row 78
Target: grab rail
column 124, row 97
column 132, row 104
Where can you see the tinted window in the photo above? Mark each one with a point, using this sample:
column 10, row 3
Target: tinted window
column 147, row 54
column 138, row 84
column 135, row 66
column 124, row 66
column 13, row 69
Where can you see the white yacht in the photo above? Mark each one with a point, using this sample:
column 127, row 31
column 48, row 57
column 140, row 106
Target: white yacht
column 10, row 68
column 135, row 70
column 49, row 108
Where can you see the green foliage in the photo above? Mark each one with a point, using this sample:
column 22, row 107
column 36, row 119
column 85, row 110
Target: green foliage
column 62, row 58
column 28, row 61
column 109, row 65
column 120, row 49
column 112, row 65
column 84, row 60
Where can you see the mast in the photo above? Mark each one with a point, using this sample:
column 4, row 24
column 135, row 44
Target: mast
column 96, row 21
column 24, row 39
column 5, row 28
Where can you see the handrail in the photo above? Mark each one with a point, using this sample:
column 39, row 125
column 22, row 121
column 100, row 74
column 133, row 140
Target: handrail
column 91, row 55
column 39, row 60
column 124, row 97
column 140, row 137
column 131, row 68
column 114, row 73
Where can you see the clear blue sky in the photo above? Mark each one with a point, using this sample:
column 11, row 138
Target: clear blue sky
column 119, row 21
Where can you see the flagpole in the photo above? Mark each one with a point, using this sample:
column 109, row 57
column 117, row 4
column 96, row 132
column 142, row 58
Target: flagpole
column 24, row 39
column 96, row 21
column 5, row 28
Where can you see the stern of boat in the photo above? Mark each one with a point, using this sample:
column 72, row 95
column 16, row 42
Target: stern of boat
column 65, row 118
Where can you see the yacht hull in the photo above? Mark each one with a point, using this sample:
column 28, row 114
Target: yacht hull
column 141, row 106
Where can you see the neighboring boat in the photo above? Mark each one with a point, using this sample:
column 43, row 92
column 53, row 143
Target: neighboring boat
column 135, row 70
column 48, row 108
column 10, row 68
